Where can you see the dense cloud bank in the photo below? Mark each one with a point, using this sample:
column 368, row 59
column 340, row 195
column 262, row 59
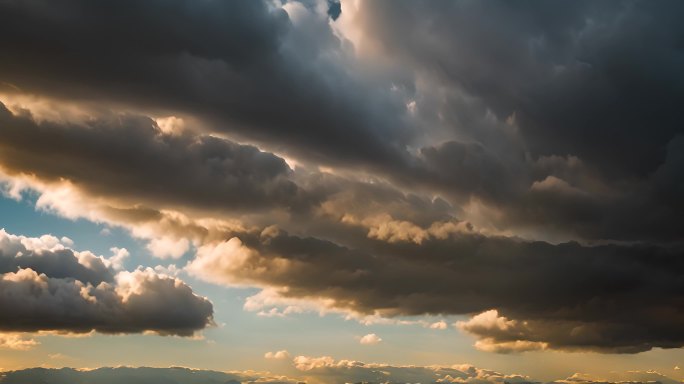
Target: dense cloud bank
column 519, row 163
column 242, row 64
column 120, row 156
column 559, row 121
column 45, row 286
column 564, row 296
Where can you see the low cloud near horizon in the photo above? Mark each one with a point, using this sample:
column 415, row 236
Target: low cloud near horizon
column 315, row 370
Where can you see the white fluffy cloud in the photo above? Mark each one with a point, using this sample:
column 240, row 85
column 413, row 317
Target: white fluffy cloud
column 490, row 328
column 370, row 339
column 168, row 247
column 278, row 355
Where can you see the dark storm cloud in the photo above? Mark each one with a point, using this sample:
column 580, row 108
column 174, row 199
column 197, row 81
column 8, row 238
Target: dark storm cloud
column 565, row 195
column 597, row 81
column 45, row 286
column 606, row 298
column 239, row 64
column 512, row 85
column 129, row 156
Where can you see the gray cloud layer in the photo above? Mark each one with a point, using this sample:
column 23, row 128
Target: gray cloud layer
column 598, row 83
column 123, row 156
column 237, row 63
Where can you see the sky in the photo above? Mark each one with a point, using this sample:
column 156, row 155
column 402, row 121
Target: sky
column 327, row 192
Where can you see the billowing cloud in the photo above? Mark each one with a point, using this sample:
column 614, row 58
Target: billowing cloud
column 441, row 325
column 53, row 288
column 524, row 86
column 278, row 355
column 130, row 156
column 240, row 77
column 565, row 296
column 370, row 339
column 326, row 369
column 635, row 376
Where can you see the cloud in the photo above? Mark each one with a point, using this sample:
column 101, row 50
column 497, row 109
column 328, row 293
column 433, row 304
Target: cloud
column 140, row 375
column 53, row 288
column 340, row 113
column 168, row 247
column 534, row 85
column 491, row 126
column 98, row 157
column 649, row 376
column 325, row 369
column 315, row 370
column 585, row 289
column 278, row 355
column 370, row 339
column 368, row 274
column 51, row 256
column 441, row 325
column 306, row 363
column 17, row 341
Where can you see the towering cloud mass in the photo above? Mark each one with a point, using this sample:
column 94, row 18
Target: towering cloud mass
column 517, row 163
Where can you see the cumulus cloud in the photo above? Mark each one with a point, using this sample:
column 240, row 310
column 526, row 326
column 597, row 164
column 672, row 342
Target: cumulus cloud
column 278, row 355
column 441, row 325
column 51, row 256
column 326, row 369
column 635, row 376
column 17, row 341
column 584, row 288
column 168, row 247
column 53, row 288
column 370, row 339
